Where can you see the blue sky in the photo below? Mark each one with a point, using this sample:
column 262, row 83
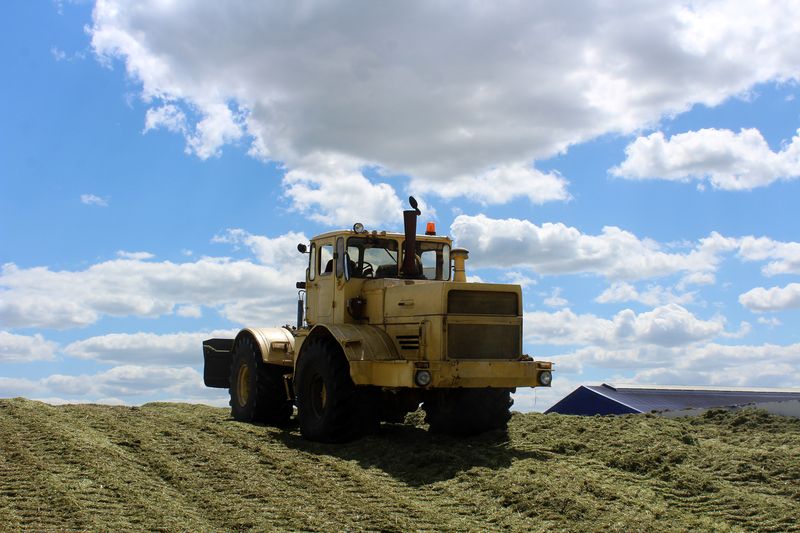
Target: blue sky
column 635, row 169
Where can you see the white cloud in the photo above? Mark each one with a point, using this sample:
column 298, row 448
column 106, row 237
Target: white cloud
column 668, row 325
column 654, row 295
column 696, row 278
column 554, row 248
column 784, row 256
column 57, row 53
column 91, row 199
column 766, row 365
column 278, row 251
column 333, row 190
column 24, row 348
column 447, row 92
column 771, row 322
column 189, row 311
column 241, row 290
column 136, row 256
column 555, row 299
column 146, row 348
column 219, row 126
column 518, row 278
column 730, row 161
column 772, row 299
column 126, row 384
column 166, row 116
column 499, row 185
column 560, row 249
column 126, row 381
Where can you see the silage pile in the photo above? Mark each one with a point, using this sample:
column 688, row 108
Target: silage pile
column 181, row 467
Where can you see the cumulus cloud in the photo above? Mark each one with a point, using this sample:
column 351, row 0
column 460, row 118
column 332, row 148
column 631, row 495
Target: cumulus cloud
column 617, row 254
column 166, row 116
column 765, row 365
column 332, row 190
column 728, row 160
column 145, row 348
column 668, row 325
column 278, row 251
column 499, row 185
column 518, row 278
column 654, row 295
column 91, row 199
column 772, row 299
column 447, row 92
column 241, row 290
column 25, row 348
column 555, row 299
column 554, row 248
column 770, row 322
column 125, row 384
column 137, row 256
column 783, row 257
column 189, row 311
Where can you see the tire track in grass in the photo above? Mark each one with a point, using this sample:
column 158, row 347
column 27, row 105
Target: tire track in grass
column 177, row 467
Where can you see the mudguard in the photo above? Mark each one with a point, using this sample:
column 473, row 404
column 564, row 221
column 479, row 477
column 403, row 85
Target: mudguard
column 275, row 344
column 360, row 342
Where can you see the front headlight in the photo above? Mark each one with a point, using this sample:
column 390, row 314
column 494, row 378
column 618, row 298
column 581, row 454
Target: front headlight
column 422, row 378
column 545, row 378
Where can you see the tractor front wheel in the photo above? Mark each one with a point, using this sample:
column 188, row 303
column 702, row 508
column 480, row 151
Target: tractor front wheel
column 464, row 412
column 257, row 390
column 327, row 400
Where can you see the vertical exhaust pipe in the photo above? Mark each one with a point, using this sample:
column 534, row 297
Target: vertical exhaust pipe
column 409, row 267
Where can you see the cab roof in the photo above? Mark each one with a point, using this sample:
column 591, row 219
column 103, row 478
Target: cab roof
column 380, row 234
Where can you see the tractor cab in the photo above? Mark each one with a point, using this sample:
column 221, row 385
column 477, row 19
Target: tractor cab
column 342, row 264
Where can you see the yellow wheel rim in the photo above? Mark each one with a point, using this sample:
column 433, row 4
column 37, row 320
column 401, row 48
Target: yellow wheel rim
column 243, row 382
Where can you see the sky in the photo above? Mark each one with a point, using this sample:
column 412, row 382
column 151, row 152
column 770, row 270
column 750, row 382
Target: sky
column 633, row 166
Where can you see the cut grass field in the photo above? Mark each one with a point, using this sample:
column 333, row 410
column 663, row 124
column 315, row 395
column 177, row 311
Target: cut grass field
column 177, row 467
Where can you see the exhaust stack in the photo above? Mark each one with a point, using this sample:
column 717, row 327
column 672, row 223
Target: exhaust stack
column 409, row 267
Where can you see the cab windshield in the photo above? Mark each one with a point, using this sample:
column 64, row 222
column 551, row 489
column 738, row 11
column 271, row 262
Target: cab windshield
column 372, row 257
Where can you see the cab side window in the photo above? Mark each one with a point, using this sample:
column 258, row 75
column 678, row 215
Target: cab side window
column 325, row 264
column 312, row 262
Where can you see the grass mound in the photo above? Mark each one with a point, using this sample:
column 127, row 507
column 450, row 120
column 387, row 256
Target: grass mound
column 175, row 467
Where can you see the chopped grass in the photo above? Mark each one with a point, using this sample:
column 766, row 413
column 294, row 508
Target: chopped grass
column 176, row 467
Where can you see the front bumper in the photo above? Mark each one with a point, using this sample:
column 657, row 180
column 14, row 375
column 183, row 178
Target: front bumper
column 450, row 374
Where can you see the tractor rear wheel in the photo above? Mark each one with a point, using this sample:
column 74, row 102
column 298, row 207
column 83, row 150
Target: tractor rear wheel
column 464, row 412
column 328, row 404
column 257, row 390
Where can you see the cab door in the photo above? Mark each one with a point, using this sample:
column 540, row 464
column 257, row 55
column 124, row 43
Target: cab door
column 322, row 284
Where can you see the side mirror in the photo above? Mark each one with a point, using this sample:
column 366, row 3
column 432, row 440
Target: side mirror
column 302, row 248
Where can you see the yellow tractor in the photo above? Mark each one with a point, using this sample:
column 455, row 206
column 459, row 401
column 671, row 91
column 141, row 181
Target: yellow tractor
column 386, row 322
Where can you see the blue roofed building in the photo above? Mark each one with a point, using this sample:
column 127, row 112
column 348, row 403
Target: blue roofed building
column 673, row 400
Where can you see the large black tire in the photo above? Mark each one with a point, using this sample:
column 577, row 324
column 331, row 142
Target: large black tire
column 464, row 412
column 328, row 403
column 257, row 390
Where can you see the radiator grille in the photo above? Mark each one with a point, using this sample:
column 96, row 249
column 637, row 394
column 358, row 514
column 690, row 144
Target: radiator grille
column 483, row 341
column 482, row 303
column 408, row 342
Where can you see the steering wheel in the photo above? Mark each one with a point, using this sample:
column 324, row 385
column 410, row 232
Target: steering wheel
column 367, row 270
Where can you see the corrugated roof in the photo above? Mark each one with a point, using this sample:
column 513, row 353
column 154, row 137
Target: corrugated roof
column 647, row 398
